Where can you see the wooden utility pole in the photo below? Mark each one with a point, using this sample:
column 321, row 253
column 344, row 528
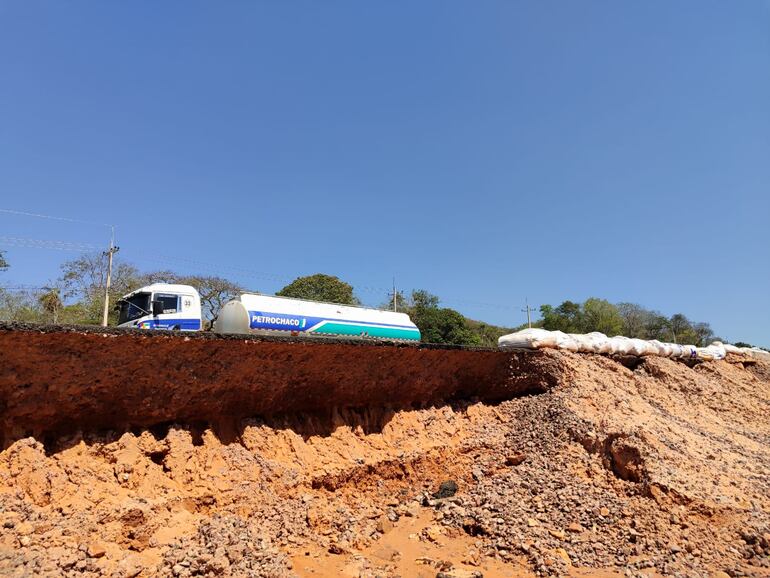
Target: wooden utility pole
column 109, row 253
column 395, row 299
column 528, row 309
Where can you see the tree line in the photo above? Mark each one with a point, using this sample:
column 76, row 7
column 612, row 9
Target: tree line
column 77, row 297
column 627, row 319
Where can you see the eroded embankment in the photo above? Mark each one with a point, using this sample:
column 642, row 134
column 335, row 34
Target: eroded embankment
column 663, row 469
column 58, row 382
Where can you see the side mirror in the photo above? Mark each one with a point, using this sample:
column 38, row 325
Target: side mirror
column 157, row 308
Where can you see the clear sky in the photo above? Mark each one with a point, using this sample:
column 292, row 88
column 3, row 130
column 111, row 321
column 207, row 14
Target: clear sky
column 486, row 151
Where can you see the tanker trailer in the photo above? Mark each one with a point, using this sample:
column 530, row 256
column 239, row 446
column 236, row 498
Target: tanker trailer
column 269, row 315
column 178, row 307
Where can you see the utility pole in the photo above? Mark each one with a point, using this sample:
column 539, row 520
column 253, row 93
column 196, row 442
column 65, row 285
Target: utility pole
column 528, row 309
column 109, row 253
column 395, row 300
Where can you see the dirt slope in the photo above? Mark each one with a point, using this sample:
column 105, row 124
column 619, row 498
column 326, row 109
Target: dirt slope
column 56, row 382
column 664, row 469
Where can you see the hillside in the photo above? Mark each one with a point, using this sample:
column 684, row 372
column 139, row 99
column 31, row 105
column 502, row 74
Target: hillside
column 601, row 470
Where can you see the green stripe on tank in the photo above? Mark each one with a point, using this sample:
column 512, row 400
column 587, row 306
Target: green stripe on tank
column 332, row 328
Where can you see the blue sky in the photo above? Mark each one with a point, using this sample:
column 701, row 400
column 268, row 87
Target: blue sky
column 486, row 151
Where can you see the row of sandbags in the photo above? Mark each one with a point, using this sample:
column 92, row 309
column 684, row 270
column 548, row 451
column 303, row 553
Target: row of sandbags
column 599, row 343
column 753, row 352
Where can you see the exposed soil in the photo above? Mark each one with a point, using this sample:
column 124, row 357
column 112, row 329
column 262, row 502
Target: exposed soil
column 56, row 382
column 659, row 470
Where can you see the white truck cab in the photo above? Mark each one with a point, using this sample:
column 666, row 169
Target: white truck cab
column 161, row 306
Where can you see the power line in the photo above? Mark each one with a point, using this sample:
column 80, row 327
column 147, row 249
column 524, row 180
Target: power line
column 62, row 245
column 41, row 216
column 59, row 245
column 263, row 275
column 474, row 303
column 85, row 247
column 22, row 288
column 166, row 259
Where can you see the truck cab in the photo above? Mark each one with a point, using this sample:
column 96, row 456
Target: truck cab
column 161, row 306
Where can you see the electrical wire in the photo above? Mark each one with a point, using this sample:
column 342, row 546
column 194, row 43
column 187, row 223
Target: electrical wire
column 261, row 275
column 60, row 245
column 215, row 268
column 22, row 288
column 41, row 216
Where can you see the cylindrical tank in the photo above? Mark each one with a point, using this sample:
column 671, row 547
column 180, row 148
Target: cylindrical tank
column 270, row 315
column 232, row 318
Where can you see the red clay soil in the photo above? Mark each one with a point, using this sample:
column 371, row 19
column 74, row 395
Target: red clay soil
column 654, row 469
column 56, row 382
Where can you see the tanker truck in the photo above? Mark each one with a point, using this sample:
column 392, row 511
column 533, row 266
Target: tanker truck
column 178, row 307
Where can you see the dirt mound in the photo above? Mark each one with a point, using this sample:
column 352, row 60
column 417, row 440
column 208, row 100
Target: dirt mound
column 59, row 382
column 664, row 468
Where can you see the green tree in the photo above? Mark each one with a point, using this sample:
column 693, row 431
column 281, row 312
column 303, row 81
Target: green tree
column 84, row 280
column 51, row 302
column 423, row 299
column 635, row 318
column 657, row 326
column 601, row 315
column 19, row 306
column 3, row 262
column 682, row 330
column 567, row 317
column 320, row 287
column 440, row 325
column 214, row 291
column 704, row 333
column 488, row 334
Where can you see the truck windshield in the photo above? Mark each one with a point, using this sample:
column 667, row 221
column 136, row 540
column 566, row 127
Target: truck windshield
column 134, row 307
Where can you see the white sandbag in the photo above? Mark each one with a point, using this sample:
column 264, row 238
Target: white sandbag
column 757, row 353
column 532, row 338
column 659, row 347
column 599, row 341
column 566, row 342
column 729, row 348
column 666, row 349
column 689, row 351
column 586, row 343
column 711, row 352
column 719, row 349
column 636, row 346
column 705, row 354
column 620, row 345
column 641, row 347
column 583, row 344
column 674, row 349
